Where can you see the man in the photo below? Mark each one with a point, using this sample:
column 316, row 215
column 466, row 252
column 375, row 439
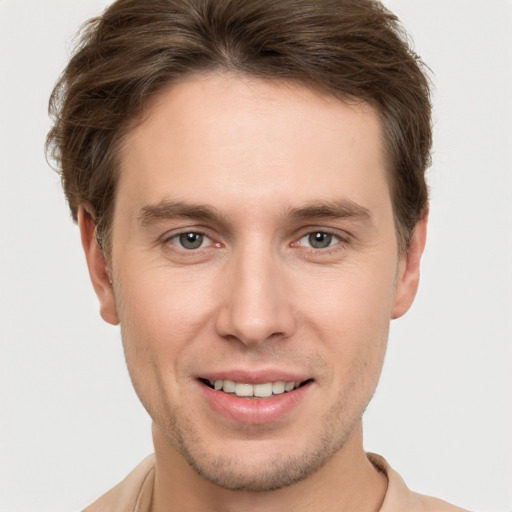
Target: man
column 248, row 178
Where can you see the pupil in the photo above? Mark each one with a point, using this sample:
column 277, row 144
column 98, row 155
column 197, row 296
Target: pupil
column 191, row 240
column 320, row 240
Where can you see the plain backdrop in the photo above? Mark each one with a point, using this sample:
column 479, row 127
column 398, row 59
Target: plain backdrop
column 71, row 426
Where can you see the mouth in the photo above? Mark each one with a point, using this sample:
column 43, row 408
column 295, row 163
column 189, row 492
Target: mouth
column 247, row 390
column 254, row 399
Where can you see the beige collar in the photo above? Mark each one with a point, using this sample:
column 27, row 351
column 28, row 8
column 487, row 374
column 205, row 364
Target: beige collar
column 135, row 492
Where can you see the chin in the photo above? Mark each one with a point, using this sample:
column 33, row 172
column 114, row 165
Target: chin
column 256, row 465
column 257, row 475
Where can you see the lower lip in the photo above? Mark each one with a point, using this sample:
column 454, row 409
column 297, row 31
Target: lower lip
column 254, row 411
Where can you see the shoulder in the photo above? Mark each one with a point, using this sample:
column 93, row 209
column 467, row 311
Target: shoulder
column 399, row 498
column 430, row 504
column 133, row 494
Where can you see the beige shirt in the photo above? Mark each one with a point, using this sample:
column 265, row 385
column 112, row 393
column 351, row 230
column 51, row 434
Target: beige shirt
column 134, row 493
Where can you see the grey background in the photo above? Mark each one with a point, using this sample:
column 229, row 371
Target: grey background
column 71, row 427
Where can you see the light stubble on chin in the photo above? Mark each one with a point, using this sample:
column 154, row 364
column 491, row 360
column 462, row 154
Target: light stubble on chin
column 234, row 472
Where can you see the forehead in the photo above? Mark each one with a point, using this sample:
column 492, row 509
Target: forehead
column 228, row 137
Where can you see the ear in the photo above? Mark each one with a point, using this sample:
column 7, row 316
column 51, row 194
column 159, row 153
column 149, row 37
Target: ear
column 409, row 270
column 98, row 268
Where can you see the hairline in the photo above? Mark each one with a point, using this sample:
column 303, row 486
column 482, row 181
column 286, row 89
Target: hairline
column 104, row 232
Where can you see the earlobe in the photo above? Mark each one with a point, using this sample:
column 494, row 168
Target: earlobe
column 98, row 268
column 409, row 270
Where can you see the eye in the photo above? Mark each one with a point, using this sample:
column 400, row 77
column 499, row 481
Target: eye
column 319, row 240
column 190, row 241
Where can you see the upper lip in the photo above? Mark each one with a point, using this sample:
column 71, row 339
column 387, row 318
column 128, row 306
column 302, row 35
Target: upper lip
column 255, row 376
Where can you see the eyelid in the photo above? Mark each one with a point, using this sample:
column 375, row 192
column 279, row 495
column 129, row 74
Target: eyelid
column 342, row 235
column 167, row 237
column 205, row 241
column 333, row 235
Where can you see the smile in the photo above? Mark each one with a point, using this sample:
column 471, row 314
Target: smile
column 264, row 390
column 257, row 402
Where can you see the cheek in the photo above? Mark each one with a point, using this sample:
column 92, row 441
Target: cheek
column 353, row 314
column 160, row 319
column 164, row 302
column 354, row 299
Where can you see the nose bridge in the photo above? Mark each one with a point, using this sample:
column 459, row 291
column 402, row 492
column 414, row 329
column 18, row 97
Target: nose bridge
column 256, row 305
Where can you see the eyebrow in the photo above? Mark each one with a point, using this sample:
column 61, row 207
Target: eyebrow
column 166, row 210
column 341, row 209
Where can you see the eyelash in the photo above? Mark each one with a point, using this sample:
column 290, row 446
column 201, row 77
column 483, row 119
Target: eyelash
column 326, row 234
column 339, row 241
column 169, row 240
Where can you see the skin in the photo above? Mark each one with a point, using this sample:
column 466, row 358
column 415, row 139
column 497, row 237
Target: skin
column 274, row 162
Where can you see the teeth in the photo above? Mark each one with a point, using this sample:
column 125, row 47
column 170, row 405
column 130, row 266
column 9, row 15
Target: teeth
column 289, row 386
column 228, row 386
column 259, row 390
column 244, row 389
column 278, row 387
column 263, row 390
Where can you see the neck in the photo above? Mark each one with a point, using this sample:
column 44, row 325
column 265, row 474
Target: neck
column 347, row 482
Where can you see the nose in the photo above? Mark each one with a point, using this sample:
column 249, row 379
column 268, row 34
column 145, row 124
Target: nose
column 256, row 300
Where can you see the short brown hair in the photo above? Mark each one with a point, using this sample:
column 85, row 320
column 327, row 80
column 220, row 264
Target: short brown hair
column 353, row 49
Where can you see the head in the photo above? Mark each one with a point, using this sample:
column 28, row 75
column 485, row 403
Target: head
column 249, row 181
column 354, row 50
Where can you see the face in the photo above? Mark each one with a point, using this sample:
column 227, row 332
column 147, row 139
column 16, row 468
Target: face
column 255, row 272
